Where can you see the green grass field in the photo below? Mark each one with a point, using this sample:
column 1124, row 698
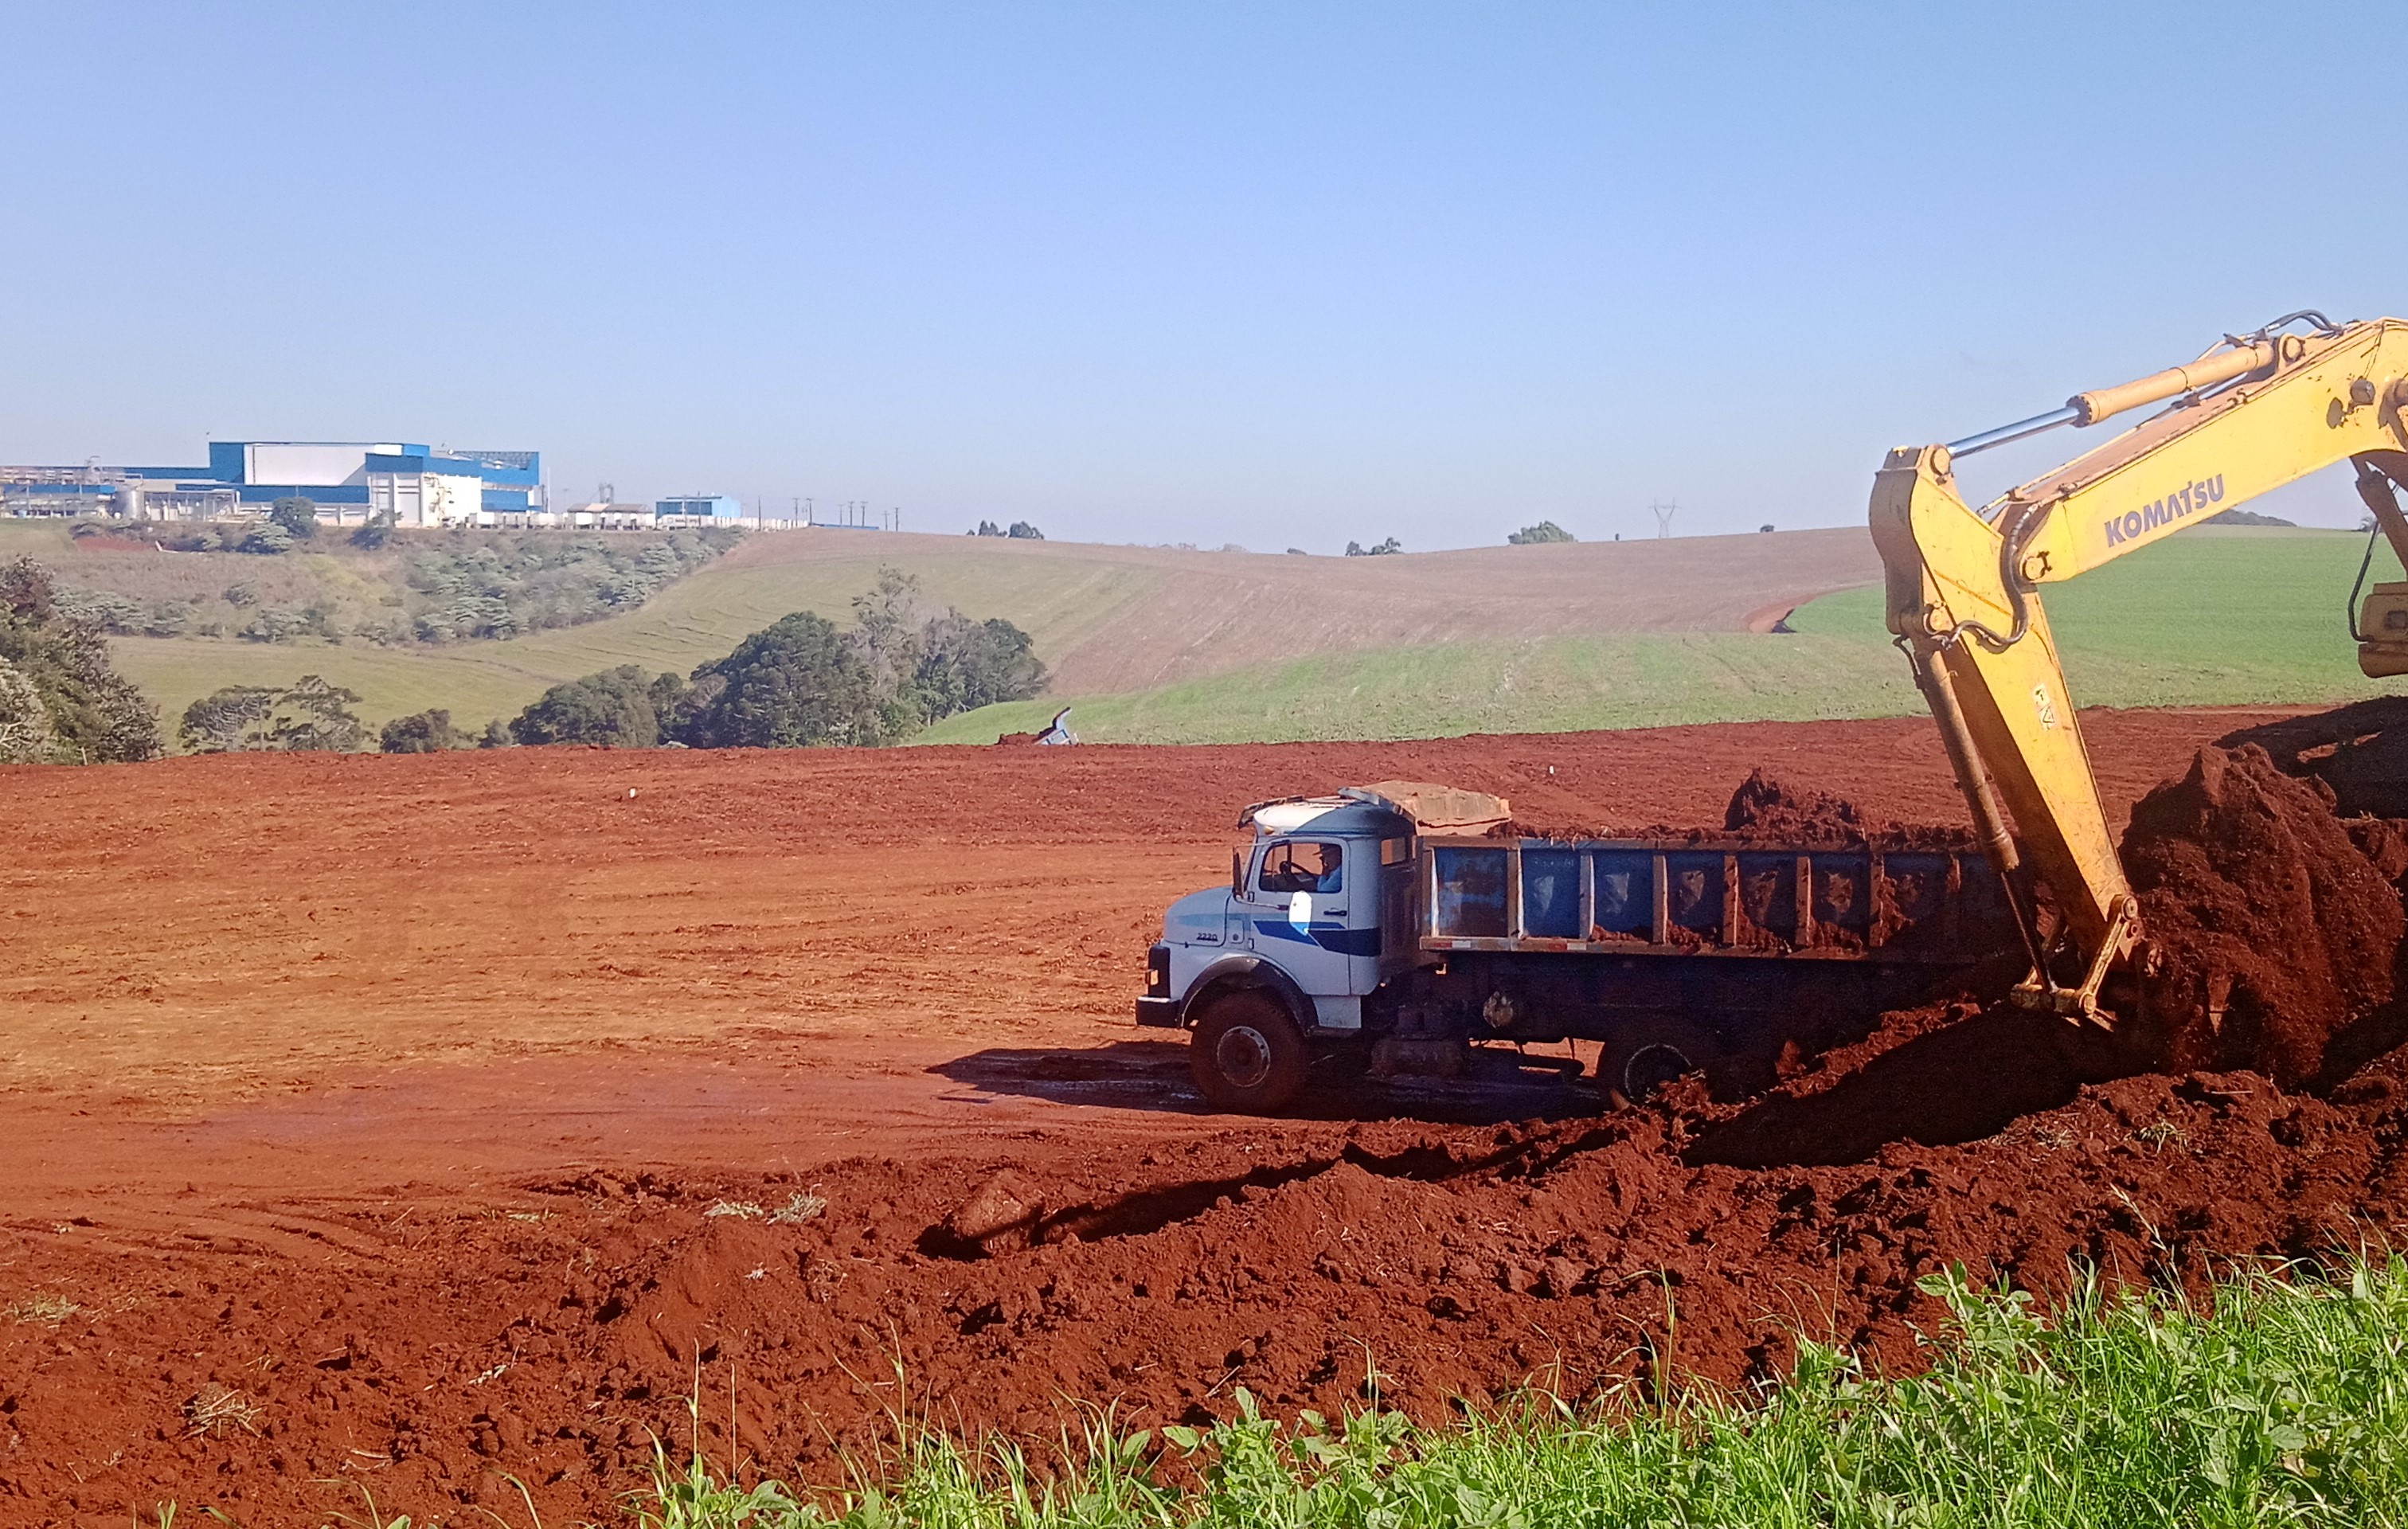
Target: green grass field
column 2215, row 618
column 2286, row 1404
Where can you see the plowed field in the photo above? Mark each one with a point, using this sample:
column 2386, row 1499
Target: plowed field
column 408, row 1122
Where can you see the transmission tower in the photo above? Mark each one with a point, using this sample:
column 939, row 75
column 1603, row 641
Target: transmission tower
column 1664, row 513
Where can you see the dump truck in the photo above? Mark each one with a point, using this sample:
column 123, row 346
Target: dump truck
column 1403, row 928
column 1407, row 926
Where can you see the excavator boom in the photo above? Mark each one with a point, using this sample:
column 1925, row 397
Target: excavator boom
column 1963, row 591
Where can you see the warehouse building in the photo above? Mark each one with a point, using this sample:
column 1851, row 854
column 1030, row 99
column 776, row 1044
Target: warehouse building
column 699, row 506
column 348, row 480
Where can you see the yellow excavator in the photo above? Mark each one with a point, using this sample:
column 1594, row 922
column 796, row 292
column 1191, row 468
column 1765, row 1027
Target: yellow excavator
column 2254, row 412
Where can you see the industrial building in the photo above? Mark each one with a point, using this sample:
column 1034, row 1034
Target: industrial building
column 701, row 506
column 348, row 481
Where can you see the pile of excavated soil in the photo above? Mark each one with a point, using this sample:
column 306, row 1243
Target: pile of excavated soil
column 2361, row 751
column 1765, row 807
column 1662, row 1245
column 2274, row 929
column 1770, row 809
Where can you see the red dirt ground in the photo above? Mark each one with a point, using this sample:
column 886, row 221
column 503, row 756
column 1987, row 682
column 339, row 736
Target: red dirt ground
column 383, row 1103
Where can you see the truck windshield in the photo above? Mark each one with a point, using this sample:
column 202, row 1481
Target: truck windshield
column 1303, row 866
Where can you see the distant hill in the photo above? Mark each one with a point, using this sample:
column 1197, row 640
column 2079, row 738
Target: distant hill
column 1105, row 619
column 2214, row 617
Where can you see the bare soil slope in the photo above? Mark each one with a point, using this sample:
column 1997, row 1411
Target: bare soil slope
column 366, row 1118
column 1140, row 617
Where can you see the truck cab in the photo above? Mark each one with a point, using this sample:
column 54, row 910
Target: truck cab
column 1274, row 968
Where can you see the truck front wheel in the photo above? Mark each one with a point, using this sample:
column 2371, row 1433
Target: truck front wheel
column 1247, row 1054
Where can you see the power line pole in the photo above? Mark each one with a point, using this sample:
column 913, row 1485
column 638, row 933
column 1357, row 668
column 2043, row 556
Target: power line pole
column 1664, row 513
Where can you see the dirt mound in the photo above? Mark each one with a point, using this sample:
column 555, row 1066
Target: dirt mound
column 2273, row 930
column 1764, row 807
column 2361, row 751
column 1319, row 1266
column 1766, row 810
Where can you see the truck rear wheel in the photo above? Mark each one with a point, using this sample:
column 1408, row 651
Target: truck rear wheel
column 1652, row 1052
column 1246, row 1054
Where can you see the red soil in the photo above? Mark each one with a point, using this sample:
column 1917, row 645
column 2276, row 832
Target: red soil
column 2273, row 929
column 392, row 1096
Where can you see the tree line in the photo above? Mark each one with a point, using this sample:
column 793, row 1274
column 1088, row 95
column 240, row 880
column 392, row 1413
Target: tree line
column 798, row 682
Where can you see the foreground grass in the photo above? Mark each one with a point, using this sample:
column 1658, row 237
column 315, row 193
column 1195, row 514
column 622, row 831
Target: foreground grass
column 2217, row 617
column 2284, row 1404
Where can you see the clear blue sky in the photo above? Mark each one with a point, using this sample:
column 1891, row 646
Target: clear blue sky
column 1279, row 275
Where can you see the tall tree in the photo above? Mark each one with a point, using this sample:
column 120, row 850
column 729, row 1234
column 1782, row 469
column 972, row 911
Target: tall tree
column 235, row 719
column 95, row 713
column 315, row 718
column 793, row 684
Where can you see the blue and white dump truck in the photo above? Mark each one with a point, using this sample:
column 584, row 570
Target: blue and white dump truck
column 1400, row 927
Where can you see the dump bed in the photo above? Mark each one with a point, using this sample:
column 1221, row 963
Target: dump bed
column 1737, row 898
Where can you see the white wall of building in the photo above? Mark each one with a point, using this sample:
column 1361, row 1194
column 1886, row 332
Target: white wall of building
column 298, row 463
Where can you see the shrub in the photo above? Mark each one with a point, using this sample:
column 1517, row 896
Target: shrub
column 107, row 608
column 1024, row 532
column 613, row 709
column 376, row 532
column 276, row 623
column 296, row 515
column 421, row 732
column 1385, row 548
column 1545, row 530
column 267, row 539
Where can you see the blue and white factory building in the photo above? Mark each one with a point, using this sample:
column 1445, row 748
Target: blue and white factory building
column 347, row 481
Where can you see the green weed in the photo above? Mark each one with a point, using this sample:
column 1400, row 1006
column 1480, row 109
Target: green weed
column 2285, row 1402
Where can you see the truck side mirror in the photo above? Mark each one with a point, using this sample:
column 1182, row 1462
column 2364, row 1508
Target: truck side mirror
column 1237, row 873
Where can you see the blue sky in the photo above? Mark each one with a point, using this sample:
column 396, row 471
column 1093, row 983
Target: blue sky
column 1281, row 274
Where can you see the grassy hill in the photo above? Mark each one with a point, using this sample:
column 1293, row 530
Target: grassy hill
column 1103, row 618
column 1172, row 645
column 2217, row 617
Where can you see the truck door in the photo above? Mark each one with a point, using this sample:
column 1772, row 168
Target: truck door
column 1313, row 906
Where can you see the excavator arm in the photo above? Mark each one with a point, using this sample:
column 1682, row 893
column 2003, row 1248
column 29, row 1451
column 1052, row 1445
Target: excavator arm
column 1963, row 586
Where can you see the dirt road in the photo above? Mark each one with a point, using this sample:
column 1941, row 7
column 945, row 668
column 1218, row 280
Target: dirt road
column 353, row 1107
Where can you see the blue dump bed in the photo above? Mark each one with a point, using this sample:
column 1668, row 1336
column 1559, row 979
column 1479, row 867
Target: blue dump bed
column 1717, row 897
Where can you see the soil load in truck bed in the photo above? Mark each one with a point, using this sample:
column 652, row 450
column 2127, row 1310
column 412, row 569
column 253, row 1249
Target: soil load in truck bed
column 408, row 1122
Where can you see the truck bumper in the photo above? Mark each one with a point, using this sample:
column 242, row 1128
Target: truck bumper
column 1164, row 1013
column 1157, row 1006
